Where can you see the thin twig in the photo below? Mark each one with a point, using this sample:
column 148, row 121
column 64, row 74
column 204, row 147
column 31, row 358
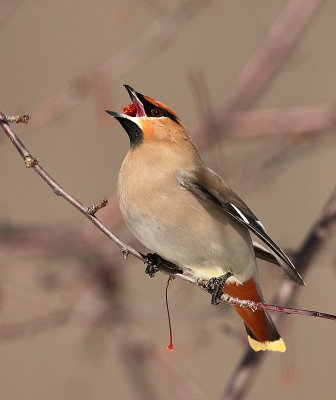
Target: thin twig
column 286, row 310
column 328, row 216
column 33, row 163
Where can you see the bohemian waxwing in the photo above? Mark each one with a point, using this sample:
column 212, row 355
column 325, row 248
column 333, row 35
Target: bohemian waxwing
column 184, row 212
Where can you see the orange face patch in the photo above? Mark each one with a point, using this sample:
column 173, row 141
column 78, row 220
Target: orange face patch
column 147, row 128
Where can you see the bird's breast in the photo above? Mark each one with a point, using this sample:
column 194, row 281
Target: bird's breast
column 147, row 205
column 171, row 221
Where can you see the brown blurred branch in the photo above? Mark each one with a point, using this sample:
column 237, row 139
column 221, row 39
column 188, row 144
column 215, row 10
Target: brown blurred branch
column 157, row 36
column 139, row 353
column 6, row 7
column 261, row 68
column 33, row 326
column 263, row 65
column 315, row 240
column 293, row 122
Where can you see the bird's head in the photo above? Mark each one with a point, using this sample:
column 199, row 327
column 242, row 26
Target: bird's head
column 148, row 120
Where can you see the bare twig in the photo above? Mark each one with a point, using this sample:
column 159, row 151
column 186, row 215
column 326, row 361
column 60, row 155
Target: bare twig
column 59, row 191
column 286, row 310
column 246, row 369
column 328, row 216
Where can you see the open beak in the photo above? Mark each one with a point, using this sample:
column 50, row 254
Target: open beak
column 128, row 119
column 136, row 109
column 135, row 97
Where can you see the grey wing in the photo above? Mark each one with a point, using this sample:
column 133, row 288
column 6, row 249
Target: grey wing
column 208, row 186
column 264, row 254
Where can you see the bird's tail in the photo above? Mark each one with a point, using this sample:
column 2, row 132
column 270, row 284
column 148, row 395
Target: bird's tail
column 261, row 331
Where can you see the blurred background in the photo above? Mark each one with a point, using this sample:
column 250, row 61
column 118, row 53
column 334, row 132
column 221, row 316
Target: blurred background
column 255, row 83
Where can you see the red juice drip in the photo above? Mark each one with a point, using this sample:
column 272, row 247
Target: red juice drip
column 170, row 347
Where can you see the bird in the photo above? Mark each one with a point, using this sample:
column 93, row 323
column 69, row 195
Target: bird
column 185, row 213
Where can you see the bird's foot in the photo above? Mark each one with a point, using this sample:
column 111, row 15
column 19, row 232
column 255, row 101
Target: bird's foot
column 215, row 287
column 156, row 263
column 152, row 261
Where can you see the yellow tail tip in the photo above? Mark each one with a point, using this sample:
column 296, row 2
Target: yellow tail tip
column 277, row 345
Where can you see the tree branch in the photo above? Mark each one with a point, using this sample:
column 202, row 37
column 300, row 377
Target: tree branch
column 32, row 162
column 327, row 217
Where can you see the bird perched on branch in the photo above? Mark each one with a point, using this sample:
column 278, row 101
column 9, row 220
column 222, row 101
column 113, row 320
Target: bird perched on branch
column 184, row 212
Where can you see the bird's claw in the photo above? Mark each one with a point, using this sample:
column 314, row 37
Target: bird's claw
column 156, row 263
column 153, row 262
column 215, row 287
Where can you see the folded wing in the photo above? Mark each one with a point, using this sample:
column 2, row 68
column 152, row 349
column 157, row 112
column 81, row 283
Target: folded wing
column 209, row 187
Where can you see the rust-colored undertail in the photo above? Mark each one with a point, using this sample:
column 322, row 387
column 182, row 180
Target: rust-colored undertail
column 261, row 331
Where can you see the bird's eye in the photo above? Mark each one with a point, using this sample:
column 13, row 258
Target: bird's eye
column 156, row 112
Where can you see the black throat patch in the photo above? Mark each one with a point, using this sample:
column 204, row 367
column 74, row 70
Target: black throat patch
column 133, row 131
